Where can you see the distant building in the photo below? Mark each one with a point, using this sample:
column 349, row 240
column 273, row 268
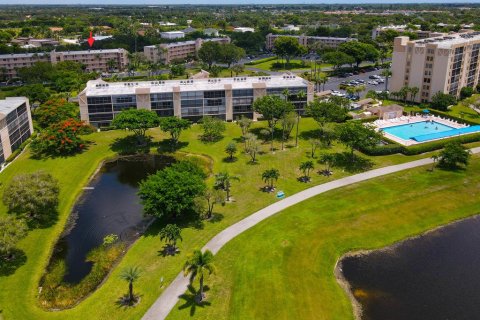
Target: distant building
column 211, row 32
column 243, row 29
column 290, row 27
column 308, row 41
column 404, row 28
column 94, row 60
column 167, row 52
column 189, row 30
column 172, row 34
column 224, row 98
column 441, row 64
column 167, row 24
column 15, row 125
column 25, row 42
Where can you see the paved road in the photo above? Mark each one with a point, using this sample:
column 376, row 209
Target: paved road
column 169, row 298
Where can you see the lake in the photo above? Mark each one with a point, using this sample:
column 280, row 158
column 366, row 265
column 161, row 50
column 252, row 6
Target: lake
column 431, row 277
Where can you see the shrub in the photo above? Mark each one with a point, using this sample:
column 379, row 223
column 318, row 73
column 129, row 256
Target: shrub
column 466, row 92
column 441, row 101
column 448, row 115
column 439, row 144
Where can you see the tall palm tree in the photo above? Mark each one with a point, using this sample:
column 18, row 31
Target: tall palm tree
column 130, row 274
column 305, row 167
column 223, row 180
column 387, row 73
column 270, row 176
column 286, row 94
column 197, row 265
column 413, row 93
column 301, row 96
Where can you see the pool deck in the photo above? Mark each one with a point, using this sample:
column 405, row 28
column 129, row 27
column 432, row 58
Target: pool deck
column 382, row 124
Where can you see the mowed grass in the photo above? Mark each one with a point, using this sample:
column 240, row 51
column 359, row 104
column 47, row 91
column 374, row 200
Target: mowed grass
column 295, row 64
column 283, row 268
column 18, row 295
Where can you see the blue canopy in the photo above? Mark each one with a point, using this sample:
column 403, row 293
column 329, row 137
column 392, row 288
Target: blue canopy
column 426, row 111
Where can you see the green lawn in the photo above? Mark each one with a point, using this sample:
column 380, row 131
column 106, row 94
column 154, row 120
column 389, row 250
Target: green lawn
column 296, row 64
column 283, row 267
column 18, row 294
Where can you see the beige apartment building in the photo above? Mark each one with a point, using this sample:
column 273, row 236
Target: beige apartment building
column 94, row 60
column 421, row 34
column 445, row 64
column 167, row 52
column 308, row 41
column 15, row 125
column 224, row 98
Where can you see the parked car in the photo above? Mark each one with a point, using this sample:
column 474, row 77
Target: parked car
column 360, row 81
column 348, row 74
column 373, row 76
column 371, row 82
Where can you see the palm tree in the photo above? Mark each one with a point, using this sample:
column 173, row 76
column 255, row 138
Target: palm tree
column 386, row 73
column 197, row 265
column 413, row 93
column 286, row 94
column 403, row 93
column 223, row 181
column 301, row 96
column 130, row 274
column 323, row 78
column 270, row 176
column 305, row 167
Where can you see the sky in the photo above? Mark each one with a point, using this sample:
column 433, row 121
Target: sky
column 213, row 2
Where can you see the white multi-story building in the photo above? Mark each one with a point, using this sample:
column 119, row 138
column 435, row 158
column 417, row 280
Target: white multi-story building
column 442, row 64
column 168, row 52
column 404, row 28
column 225, row 98
column 94, row 60
column 308, row 41
column 243, row 29
column 172, row 34
column 15, row 125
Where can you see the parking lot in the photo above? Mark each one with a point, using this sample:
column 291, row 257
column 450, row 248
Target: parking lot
column 334, row 82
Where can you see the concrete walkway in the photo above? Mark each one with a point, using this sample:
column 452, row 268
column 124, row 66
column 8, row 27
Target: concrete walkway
column 169, row 298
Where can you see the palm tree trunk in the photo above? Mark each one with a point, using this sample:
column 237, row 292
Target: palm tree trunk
column 130, row 291
column 201, row 288
column 296, row 134
column 271, row 142
column 227, row 190
column 386, row 83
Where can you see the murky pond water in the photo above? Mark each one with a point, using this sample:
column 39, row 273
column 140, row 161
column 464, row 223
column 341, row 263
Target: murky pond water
column 109, row 205
column 432, row 277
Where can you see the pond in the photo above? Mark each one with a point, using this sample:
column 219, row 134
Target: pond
column 109, row 205
column 434, row 276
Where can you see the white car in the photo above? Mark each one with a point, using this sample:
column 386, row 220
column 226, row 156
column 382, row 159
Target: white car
column 380, row 80
column 372, row 83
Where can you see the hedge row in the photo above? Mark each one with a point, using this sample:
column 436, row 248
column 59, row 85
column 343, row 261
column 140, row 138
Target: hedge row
column 447, row 115
column 393, row 148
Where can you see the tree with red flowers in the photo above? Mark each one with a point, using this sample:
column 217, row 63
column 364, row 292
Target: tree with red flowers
column 62, row 138
column 54, row 111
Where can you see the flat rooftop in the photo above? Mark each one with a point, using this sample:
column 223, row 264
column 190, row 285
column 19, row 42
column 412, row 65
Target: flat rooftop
column 450, row 40
column 10, row 104
column 102, row 88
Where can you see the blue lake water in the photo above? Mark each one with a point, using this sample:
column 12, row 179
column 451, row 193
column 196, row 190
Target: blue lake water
column 408, row 131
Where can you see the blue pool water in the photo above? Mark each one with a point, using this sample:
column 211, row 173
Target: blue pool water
column 412, row 130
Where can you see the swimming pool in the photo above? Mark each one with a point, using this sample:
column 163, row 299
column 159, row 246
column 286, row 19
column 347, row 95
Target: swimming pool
column 412, row 130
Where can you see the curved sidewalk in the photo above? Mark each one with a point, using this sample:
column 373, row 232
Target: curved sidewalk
column 169, row 298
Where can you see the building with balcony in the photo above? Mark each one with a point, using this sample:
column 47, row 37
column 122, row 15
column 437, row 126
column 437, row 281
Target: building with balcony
column 225, row 98
column 167, row 52
column 441, row 64
column 15, row 125
column 94, row 60
column 310, row 42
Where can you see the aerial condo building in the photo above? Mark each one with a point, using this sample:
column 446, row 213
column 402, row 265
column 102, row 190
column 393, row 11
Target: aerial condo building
column 225, row 98
column 93, row 60
column 441, row 64
column 308, row 41
column 15, row 125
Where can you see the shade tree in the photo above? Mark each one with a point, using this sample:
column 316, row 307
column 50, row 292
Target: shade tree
column 174, row 126
column 171, row 233
column 136, row 120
